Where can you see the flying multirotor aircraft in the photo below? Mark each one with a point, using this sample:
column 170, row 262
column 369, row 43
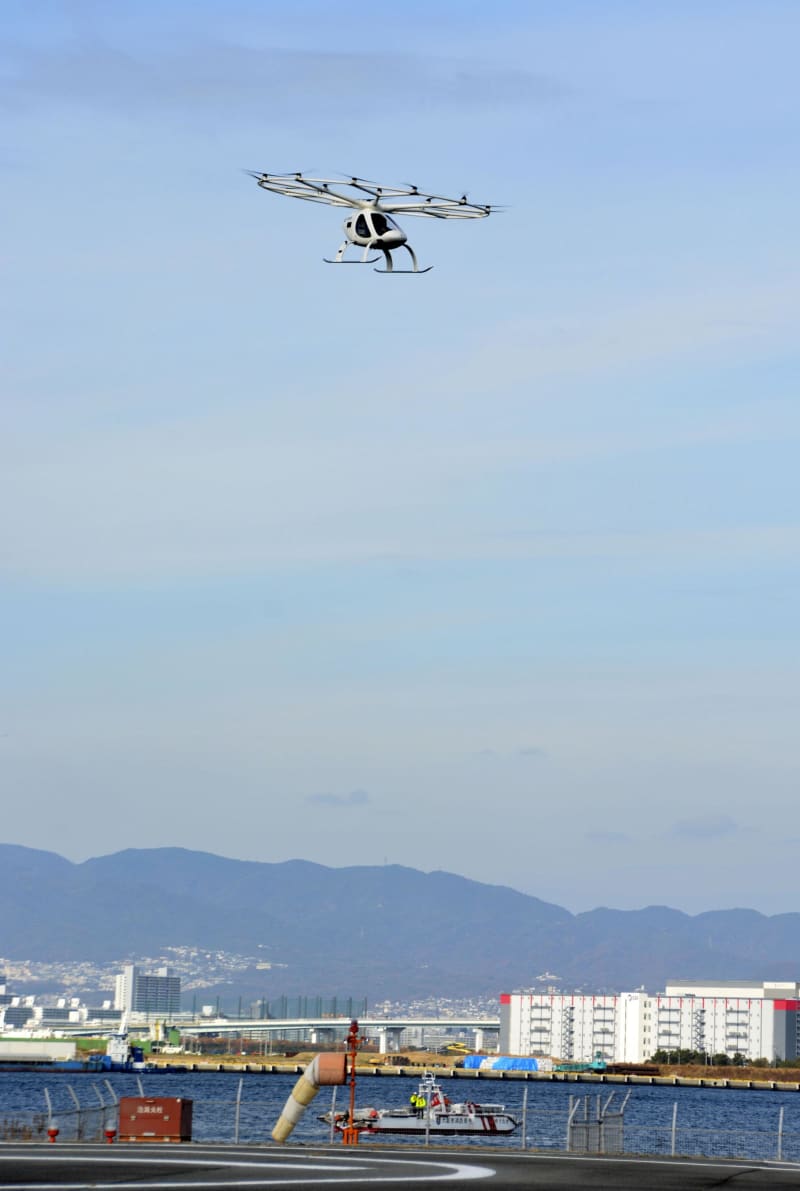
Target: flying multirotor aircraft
column 371, row 226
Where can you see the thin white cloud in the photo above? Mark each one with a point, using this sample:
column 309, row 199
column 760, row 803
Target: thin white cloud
column 527, row 752
column 705, row 828
column 270, row 84
column 354, row 798
column 743, row 314
column 230, row 493
column 132, row 506
column 608, row 837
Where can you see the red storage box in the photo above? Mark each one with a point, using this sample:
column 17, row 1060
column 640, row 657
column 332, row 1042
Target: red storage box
column 155, row 1118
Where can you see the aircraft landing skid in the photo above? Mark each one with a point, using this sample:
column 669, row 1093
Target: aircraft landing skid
column 387, row 256
column 364, row 259
column 393, row 271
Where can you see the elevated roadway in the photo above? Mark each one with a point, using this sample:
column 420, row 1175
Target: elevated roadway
column 285, row 1027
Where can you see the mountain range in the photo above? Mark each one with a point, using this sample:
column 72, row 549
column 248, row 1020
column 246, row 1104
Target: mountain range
column 374, row 931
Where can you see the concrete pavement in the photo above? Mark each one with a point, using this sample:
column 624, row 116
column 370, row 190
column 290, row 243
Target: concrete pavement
column 217, row 1168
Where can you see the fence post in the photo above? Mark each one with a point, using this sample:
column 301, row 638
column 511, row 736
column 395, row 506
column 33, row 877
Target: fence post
column 524, row 1114
column 110, row 1115
column 99, row 1094
column 573, row 1106
column 79, row 1128
column 333, row 1114
column 674, row 1128
column 238, row 1113
column 779, row 1155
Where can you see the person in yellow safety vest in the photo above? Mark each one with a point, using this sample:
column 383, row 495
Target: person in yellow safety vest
column 413, row 1102
column 421, row 1106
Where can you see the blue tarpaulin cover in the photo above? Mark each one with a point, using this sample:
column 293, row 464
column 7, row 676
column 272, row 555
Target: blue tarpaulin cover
column 501, row 1063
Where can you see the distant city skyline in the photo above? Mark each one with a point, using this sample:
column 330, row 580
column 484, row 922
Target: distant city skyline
column 493, row 571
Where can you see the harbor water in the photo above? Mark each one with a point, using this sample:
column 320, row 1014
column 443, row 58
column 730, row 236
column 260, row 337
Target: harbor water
column 226, row 1107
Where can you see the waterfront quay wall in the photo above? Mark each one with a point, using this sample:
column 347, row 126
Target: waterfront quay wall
column 446, row 1073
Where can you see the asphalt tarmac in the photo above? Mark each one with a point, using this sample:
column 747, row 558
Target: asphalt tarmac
column 189, row 1166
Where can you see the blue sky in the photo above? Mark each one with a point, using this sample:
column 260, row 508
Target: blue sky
column 492, row 570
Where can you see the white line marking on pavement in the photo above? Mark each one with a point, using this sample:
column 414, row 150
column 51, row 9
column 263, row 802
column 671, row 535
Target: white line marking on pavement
column 272, row 1172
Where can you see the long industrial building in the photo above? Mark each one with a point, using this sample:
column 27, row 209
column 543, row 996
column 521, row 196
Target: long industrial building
column 728, row 1017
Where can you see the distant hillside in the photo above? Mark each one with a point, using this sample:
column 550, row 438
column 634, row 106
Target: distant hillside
column 375, row 931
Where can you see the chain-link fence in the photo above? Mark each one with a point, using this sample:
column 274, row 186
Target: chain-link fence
column 583, row 1125
column 24, row 1126
column 763, row 1145
column 769, row 1145
column 85, row 1123
column 601, row 1128
column 89, row 1113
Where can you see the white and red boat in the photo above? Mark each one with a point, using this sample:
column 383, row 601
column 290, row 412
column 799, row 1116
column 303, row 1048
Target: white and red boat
column 438, row 1116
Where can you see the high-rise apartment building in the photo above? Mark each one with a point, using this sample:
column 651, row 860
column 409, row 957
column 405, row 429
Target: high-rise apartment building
column 156, row 992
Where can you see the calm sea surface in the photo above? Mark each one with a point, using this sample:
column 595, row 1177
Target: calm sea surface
column 709, row 1121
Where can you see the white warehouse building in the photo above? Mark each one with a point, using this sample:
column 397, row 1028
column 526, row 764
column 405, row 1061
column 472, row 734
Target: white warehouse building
column 728, row 1017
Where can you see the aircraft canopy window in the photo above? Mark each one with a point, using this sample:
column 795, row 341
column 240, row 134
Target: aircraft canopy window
column 362, row 228
column 380, row 223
